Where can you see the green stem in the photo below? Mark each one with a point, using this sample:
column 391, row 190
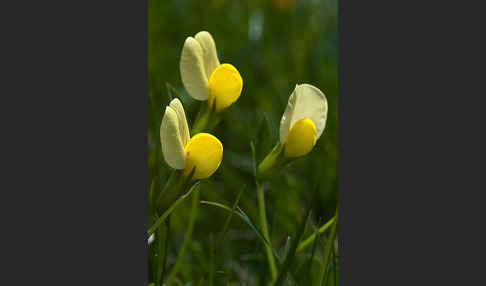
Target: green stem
column 263, row 222
column 187, row 238
column 327, row 250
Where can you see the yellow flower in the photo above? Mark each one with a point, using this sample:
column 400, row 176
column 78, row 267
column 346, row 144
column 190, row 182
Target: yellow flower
column 203, row 151
column 303, row 121
column 204, row 77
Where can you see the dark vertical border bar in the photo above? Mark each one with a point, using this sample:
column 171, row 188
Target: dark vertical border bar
column 340, row 167
column 413, row 212
column 75, row 187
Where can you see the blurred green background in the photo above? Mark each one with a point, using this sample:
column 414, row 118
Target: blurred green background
column 274, row 45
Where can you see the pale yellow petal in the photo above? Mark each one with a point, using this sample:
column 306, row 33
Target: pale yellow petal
column 193, row 73
column 181, row 116
column 301, row 138
column 306, row 101
column 171, row 141
column 210, row 55
column 287, row 116
column 205, row 152
column 225, row 86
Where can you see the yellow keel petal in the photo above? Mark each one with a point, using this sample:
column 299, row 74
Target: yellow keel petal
column 301, row 138
column 225, row 85
column 205, row 152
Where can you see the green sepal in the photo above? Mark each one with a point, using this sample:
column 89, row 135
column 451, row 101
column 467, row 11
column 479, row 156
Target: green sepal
column 274, row 161
column 176, row 186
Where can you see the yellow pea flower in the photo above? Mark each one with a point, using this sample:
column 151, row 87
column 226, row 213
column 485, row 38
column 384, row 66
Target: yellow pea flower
column 301, row 125
column 203, row 152
column 303, row 121
column 204, row 77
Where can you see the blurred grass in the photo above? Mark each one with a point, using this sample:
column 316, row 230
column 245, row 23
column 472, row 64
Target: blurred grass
column 274, row 45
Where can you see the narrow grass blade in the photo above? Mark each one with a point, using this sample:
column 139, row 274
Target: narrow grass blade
column 314, row 246
column 166, row 247
column 285, row 249
column 162, row 218
column 327, row 250
column 247, row 219
column 239, row 212
column 211, row 260
column 253, row 163
column 161, row 254
column 292, row 252
column 311, row 238
column 174, row 188
column 151, row 195
column 219, row 206
column 187, row 238
column 305, row 272
column 230, row 216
